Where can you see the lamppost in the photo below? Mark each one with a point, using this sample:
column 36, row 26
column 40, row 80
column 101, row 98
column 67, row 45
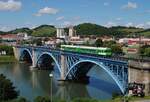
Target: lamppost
column 51, row 76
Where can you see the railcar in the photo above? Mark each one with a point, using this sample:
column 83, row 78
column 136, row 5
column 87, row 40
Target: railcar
column 104, row 51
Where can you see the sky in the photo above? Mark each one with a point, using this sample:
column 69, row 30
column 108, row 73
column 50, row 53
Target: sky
column 32, row 13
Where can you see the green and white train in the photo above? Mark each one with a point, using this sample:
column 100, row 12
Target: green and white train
column 103, row 51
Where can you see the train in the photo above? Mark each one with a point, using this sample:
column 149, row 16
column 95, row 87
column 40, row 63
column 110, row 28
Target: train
column 103, row 51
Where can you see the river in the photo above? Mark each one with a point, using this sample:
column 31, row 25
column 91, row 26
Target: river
column 33, row 83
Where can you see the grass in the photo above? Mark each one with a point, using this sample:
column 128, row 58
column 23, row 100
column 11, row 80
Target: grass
column 5, row 59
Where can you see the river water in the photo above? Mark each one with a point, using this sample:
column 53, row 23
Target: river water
column 32, row 83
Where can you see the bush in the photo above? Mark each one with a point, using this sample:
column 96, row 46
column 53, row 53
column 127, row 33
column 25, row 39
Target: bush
column 7, row 90
column 21, row 99
column 99, row 43
column 42, row 99
column 8, row 49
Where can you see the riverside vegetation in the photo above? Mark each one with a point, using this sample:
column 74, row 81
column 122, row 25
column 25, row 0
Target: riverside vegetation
column 8, row 56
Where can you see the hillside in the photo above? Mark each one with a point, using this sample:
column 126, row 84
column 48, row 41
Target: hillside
column 18, row 30
column 91, row 29
column 85, row 29
column 1, row 32
column 118, row 31
column 145, row 33
column 127, row 29
column 44, row 30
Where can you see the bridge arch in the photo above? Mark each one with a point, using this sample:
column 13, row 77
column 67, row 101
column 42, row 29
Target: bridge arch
column 51, row 56
column 100, row 64
column 28, row 52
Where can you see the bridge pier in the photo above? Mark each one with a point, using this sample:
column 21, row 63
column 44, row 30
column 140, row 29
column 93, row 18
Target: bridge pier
column 63, row 68
column 34, row 58
column 16, row 53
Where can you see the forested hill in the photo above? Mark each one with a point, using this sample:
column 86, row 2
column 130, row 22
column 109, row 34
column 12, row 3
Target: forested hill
column 41, row 31
column 118, row 31
column 44, row 30
column 85, row 29
column 91, row 29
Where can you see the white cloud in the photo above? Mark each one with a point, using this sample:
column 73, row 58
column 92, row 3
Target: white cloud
column 110, row 24
column 130, row 5
column 148, row 23
column 76, row 18
column 60, row 18
column 10, row 5
column 47, row 10
column 106, row 4
column 140, row 26
column 6, row 28
column 130, row 24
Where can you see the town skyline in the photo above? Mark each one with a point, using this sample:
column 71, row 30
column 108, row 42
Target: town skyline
column 25, row 13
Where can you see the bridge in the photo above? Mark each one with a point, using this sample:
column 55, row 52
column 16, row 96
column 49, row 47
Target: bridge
column 73, row 66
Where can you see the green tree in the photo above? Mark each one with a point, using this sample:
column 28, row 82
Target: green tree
column 99, row 43
column 116, row 49
column 7, row 90
column 108, row 43
column 21, row 99
column 145, row 50
column 38, row 42
column 8, row 49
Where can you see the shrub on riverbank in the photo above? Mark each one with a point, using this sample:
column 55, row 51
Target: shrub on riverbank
column 7, row 59
column 47, row 99
column 7, row 90
column 7, row 49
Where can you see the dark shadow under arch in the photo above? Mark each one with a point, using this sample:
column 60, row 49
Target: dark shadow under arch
column 51, row 59
column 26, row 56
column 77, row 67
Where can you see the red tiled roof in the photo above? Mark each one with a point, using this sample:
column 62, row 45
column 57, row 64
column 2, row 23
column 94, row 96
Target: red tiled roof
column 8, row 36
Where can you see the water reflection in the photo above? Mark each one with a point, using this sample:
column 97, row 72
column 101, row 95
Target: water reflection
column 37, row 83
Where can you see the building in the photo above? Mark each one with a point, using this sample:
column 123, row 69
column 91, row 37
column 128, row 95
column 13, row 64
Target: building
column 9, row 37
column 72, row 32
column 61, row 35
column 23, row 36
column 133, row 41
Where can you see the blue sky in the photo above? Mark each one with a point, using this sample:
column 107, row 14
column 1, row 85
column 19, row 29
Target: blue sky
column 31, row 13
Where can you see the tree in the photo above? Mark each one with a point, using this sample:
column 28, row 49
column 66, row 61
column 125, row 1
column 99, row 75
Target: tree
column 145, row 50
column 7, row 90
column 38, row 42
column 99, row 43
column 116, row 49
column 108, row 43
column 8, row 49
column 21, row 99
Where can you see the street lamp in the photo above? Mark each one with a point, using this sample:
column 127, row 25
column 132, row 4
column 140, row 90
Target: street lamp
column 51, row 76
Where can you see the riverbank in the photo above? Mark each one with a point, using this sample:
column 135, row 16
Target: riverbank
column 119, row 99
column 131, row 99
column 7, row 59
